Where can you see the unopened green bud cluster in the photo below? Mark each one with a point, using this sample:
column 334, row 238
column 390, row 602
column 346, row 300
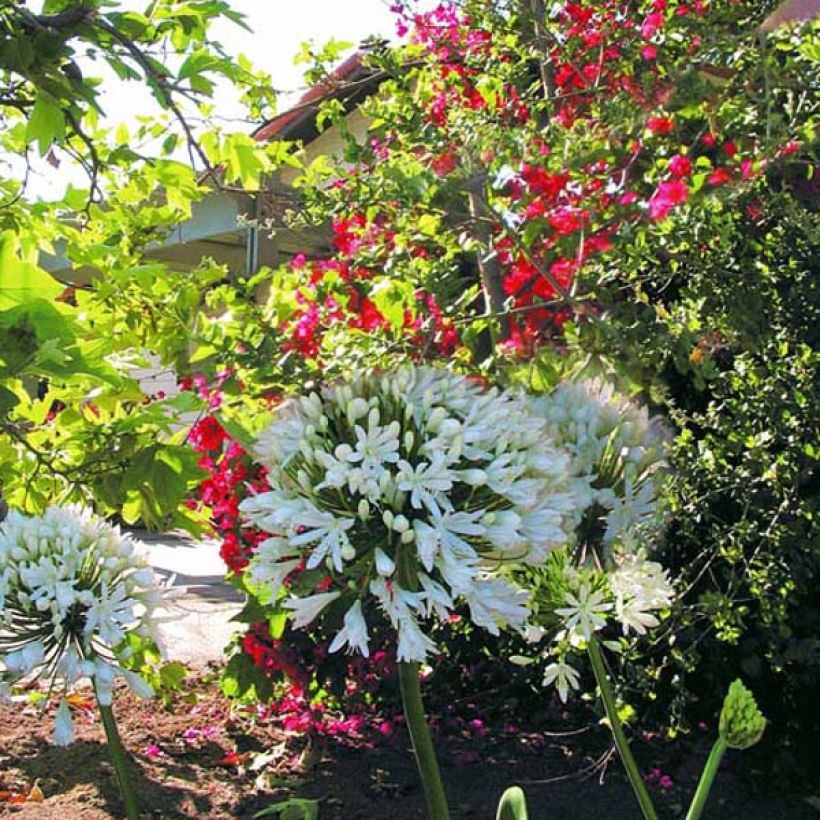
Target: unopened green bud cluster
column 741, row 722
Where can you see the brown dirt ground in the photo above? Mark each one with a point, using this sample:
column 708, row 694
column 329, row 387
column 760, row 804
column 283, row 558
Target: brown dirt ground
column 366, row 781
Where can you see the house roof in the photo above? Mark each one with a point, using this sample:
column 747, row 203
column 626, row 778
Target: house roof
column 350, row 82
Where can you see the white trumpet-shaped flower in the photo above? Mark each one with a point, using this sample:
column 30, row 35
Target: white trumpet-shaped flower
column 564, row 676
column 306, row 610
column 585, row 612
column 353, row 633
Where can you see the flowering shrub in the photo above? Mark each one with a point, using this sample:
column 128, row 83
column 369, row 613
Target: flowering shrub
column 585, row 182
column 76, row 601
column 413, row 487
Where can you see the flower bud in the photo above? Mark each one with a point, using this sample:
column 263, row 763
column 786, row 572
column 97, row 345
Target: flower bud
column 364, row 510
column 356, row 409
column 385, row 565
column 401, row 524
column 348, row 552
column 385, row 483
column 373, row 417
column 741, row 722
column 457, row 447
column 409, row 440
column 437, row 416
column 473, row 477
column 387, row 517
column 408, row 536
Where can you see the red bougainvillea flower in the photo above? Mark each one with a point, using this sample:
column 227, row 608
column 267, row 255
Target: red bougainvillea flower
column 667, row 195
column 660, row 125
column 444, row 163
column 720, row 176
column 729, row 148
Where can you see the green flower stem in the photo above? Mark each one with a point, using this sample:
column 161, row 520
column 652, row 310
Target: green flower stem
column 120, row 761
column 611, row 708
column 422, row 742
column 706, row 779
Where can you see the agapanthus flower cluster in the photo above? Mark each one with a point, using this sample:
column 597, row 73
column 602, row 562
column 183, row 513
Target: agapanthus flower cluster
column 617, row 450
column 73, row 591
column 413, row 488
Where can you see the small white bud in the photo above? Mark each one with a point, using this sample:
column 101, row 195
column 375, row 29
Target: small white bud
column 385, row 565
column 348, row 552
column 437, row 416
column 356, row 410
column 401, row 524
column 408, row 536
column 387, row 517
column 385, row 482
column 457, row 447
column 364, row 510
column 409, row 440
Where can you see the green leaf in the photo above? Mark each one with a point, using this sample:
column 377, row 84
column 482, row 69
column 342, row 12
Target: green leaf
column 20, row 281
column 46, row 124
column 172, row 674
column 296, row 808
column 392, row 298
column 513, row 805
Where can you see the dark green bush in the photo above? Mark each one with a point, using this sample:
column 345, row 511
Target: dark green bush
column 721, row 321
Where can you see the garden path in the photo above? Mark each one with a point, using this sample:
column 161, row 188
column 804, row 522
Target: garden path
column 197, row 624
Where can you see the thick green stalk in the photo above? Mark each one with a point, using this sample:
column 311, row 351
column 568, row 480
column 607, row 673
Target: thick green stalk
column 120, row 761
column 706, row 779
column 608, row 697
column 422, row 742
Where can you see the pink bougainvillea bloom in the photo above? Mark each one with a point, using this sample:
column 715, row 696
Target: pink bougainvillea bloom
column 680, row 166
column 668, row 194
column 649, row 52
column 152, row 750
column 651, row 25
column 791, row 147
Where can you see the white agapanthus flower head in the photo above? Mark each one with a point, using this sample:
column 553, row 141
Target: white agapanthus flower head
column 413, row 488
column 618, row 448
column 72, row 590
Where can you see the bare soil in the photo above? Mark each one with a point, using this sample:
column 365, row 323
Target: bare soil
column 201, row 756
